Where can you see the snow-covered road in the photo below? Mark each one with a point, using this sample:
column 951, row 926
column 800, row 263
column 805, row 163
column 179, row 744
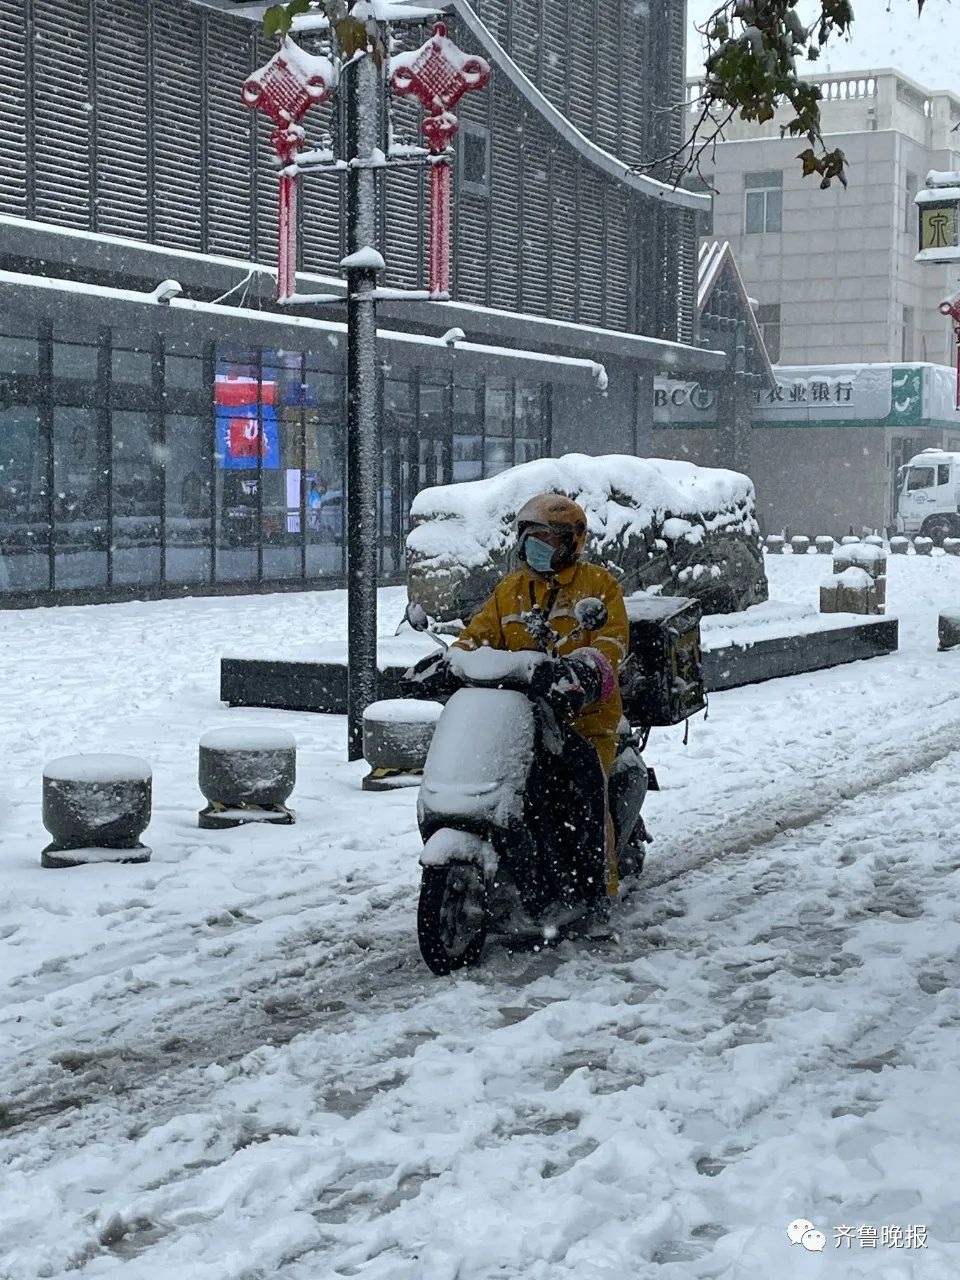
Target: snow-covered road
column 230, row 1063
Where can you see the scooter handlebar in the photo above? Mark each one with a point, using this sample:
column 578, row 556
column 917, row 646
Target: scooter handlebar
column 486, row 666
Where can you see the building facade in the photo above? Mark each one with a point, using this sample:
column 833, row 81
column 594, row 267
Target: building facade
column 823, row 444
column 833, row 271
column 154, row 443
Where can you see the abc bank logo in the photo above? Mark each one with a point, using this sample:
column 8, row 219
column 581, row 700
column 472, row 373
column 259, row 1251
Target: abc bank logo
column 684, row 396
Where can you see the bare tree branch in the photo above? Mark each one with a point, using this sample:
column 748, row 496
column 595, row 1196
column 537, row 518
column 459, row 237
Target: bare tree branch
column 753, row 50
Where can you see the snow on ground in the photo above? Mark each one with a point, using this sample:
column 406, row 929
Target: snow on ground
column 231, row 1064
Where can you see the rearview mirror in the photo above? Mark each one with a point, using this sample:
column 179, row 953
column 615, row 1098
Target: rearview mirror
column 590, row 613
column 415, row 616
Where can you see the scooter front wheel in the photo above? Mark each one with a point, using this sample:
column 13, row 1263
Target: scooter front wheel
column 452, row 916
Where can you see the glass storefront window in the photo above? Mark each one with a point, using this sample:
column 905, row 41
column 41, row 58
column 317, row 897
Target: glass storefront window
column 328, row 356
column 498, row 407
column 245, row 429
column 399, row 404
column 183, row 371
column 434, row 395
column 498, row 426
column 24, row 509
column 188, row 458
column 81, row 471
column 324, row 418
column 529, row 421
column 132, row 367
column 282, row 392
column 525, row 451
column 253, row 490
column 75, row 360
column 467, row 457
column 467, row 433
column 136, row 479
column 19, row 349
column 400, row 466
column 497, row 455
column 432, row 428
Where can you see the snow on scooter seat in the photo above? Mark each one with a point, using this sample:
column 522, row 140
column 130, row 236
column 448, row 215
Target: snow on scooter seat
column 488, row 666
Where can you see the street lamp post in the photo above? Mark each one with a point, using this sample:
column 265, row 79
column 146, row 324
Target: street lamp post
column 363, row 85
column 357, row 74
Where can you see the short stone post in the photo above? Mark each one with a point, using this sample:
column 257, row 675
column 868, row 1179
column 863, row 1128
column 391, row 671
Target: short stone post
column 397, row 733
column 873, row 561
column 848, row 592
column 873, row 540
column 246, row 775
column 952, row 546
column 96, row 807
column 800, row 545
column 899, row 546
column 923, row 546
column 824, row 545
column 775, row 544
column 948, row 629
column 849, row 539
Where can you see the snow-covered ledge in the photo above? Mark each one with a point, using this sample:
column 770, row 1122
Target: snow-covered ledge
column 25, row 290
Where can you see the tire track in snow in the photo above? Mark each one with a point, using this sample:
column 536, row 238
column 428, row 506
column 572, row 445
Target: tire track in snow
column 182, row 1086
column 809, row 801
column 276, row 1004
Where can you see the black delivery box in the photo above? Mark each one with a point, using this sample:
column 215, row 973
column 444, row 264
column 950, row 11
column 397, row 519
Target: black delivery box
column 662, row 680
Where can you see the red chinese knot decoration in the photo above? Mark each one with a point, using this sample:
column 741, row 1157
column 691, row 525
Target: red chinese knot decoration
column 439, row 74
column 952, row 309
column 285, row 88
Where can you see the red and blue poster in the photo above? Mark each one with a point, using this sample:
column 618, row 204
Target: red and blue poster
column 246, row 422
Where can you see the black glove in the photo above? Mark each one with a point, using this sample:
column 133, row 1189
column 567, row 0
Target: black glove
column 431, row 674
column 565, row 683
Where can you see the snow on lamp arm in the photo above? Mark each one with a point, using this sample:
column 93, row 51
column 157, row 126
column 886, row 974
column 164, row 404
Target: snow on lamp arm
column 439, row 74
column 285, row 88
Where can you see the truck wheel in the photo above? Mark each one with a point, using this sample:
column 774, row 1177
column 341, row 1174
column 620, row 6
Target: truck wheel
column 452, row 917
column 938, row 527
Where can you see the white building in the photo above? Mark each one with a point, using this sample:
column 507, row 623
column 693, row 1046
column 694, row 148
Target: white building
column 833, row 271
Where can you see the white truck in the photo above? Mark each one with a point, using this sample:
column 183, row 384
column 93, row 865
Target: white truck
column 928, row 495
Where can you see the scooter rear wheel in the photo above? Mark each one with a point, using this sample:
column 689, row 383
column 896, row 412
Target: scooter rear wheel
column 452, row 917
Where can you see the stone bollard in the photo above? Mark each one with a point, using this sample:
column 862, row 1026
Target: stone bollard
column 246, row 775
column 774, row 544
column 96, row 807
column 899, row 546
column 824, row 545
column 923, row 546
column 800, row 545
column 851, row 591
column 849, row 539
column 952, row 546
column 948, row 629
column 873, row 540
column 396, row 738
column 873, row 561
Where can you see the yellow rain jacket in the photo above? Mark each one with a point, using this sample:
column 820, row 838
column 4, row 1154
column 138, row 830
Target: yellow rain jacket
column 498, row 624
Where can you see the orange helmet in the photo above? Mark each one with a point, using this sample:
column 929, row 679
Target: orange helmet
column 554, row 513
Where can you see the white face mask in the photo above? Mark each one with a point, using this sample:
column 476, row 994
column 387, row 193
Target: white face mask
column 538, row 554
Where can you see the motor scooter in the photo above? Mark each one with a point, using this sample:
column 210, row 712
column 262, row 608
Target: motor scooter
column 497, row 807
